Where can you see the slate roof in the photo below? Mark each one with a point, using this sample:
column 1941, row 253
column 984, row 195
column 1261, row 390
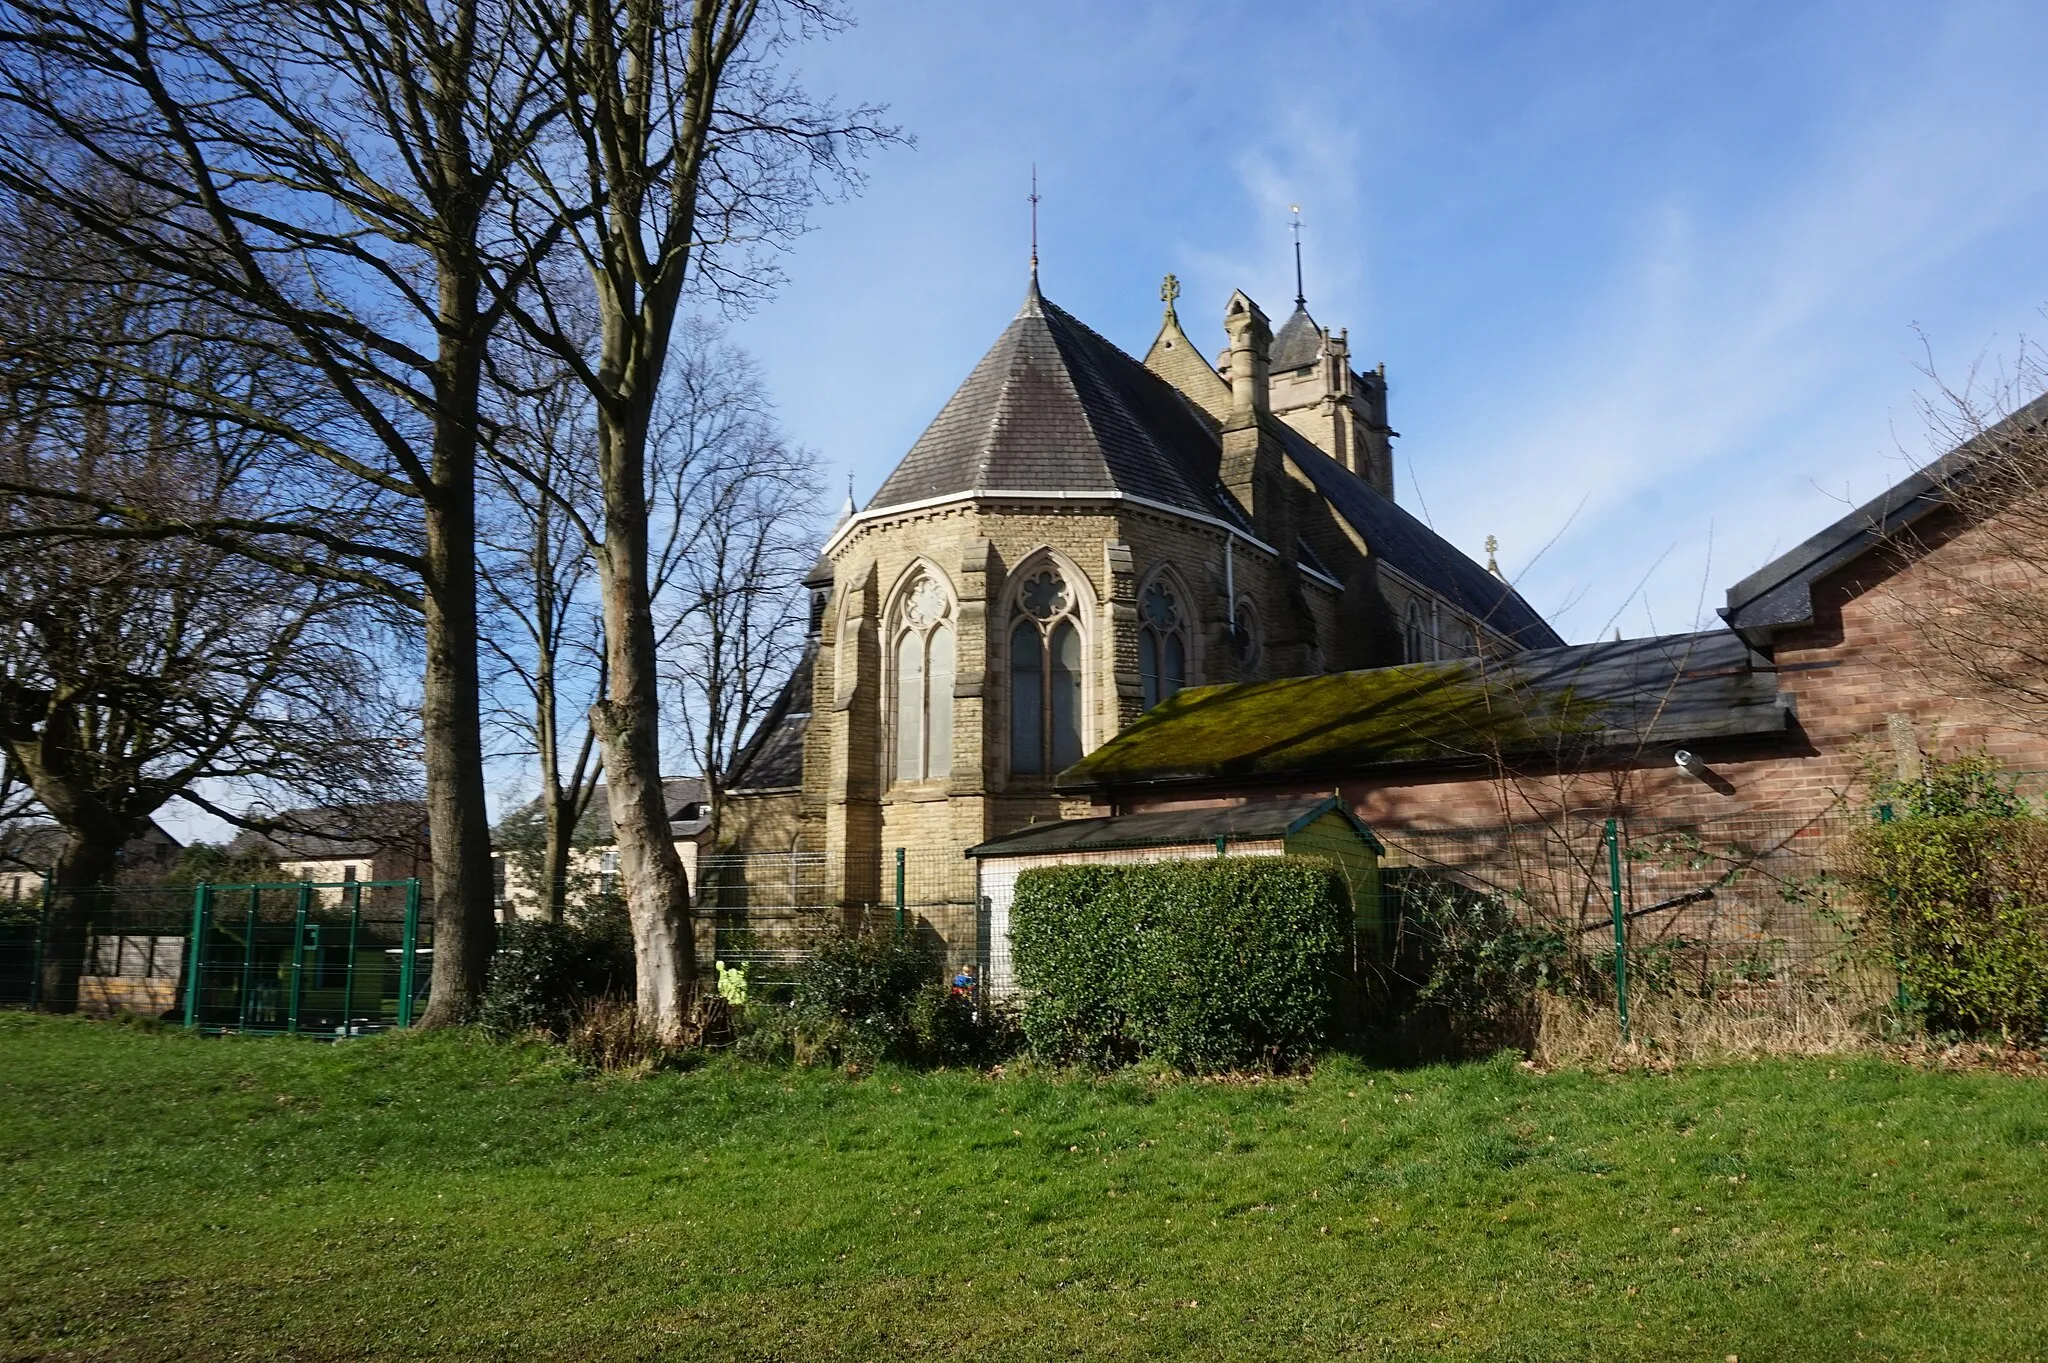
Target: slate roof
column 678, row 793
column 324, row 832
column 1781, row 592
column 1298, row 342
column 34, row 846
column 774, row 758
column 1548, row 704
column 1167, row 828
column 1418, row 551
column 1052, row 405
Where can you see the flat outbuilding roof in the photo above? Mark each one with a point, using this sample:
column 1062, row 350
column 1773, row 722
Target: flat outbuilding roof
column 1234, row 823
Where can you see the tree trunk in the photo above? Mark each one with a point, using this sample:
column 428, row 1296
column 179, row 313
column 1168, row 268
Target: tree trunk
column 452, row 727
column 627, row 721
column 554, row 852
column 79, row 881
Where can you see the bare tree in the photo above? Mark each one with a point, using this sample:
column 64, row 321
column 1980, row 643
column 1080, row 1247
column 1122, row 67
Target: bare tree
column 330, row 173
column 684, row 151
column 739, row 508
column 138, row 670
column 1980, row 629
column 545, row 635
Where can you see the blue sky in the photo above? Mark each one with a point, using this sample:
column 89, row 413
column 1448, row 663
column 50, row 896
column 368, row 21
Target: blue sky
column 1649, row 280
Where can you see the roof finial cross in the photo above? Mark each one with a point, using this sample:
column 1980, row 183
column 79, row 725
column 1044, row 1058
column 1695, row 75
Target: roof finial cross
column 1492, row 547
column 1169, row 289
column 1034, row 222
column 1300, row 299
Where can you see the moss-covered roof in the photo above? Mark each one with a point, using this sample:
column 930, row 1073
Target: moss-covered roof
column 1545, row 702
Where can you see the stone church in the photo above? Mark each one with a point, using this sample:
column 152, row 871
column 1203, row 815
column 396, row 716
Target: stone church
column 1077, row 536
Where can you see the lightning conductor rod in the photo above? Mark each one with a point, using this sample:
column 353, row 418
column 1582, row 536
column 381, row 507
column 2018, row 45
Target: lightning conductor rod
column 1300, row 298
column 1034, row 222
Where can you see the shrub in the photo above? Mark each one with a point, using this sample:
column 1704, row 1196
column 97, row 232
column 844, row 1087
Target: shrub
column 864, row 998
column 545, row 973
column 1467, row 956
column 1954, row 890
column 1209, row 965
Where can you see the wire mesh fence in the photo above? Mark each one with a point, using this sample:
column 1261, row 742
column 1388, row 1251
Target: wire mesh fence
column 325, row 959
column 767, row 910
column 1718, row 908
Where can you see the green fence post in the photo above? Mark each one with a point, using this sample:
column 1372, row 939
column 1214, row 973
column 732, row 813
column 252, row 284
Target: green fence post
column 899, row 892
column 355, row 926
column 299, row 953
column 1222, row 844
column 1620, row 925
column 202, row 900
column 412, row 932
column 35, row 980
column 248, row 959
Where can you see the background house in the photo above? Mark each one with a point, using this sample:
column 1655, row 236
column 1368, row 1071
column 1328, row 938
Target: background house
column 339, row 844
column 28, row 850
column 593, row 865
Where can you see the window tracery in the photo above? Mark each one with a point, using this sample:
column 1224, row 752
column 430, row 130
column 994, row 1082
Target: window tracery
column 922, row 651
column 1162, row 642
column 1045, row 675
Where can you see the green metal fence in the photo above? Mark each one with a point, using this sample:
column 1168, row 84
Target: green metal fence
column 322, row 959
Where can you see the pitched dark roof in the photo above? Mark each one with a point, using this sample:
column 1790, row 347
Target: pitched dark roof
column 326, row 831
column 1052, row 405
column 1547, row 704
column 774, row 757
column 1298, row 342
column 1235, row 823
column 1781, row 592
column 1417, row 551
column 34, row 846
column 678, row 794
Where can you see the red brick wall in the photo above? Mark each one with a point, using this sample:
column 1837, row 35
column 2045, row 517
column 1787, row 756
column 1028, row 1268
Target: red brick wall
column 1849, row 671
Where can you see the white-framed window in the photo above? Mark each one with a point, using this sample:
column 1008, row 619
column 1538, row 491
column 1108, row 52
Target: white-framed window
column 922, row 644
column 1162, row 640
column 1046, row 651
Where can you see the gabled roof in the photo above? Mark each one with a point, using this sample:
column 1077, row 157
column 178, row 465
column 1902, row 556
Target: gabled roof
column 1298, row 342
column 323, row 832
column 1781, row 592
column 774, row 757
column 1052, row 405
column 1417, row 551
column 1548, row 704
column 679, row 794
column 1168, row 828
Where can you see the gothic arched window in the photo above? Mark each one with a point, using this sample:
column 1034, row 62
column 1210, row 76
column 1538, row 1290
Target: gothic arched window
column 922, row 650
column 1416, row 636
column 1245, row 638
column 1162, row 642
column 1045, row 676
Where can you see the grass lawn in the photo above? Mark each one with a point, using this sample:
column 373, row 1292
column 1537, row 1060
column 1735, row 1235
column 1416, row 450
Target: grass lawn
column 163, row 1196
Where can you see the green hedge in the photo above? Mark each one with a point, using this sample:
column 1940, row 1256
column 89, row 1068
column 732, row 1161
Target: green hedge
column 1954, row 891
column 1212, row 964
